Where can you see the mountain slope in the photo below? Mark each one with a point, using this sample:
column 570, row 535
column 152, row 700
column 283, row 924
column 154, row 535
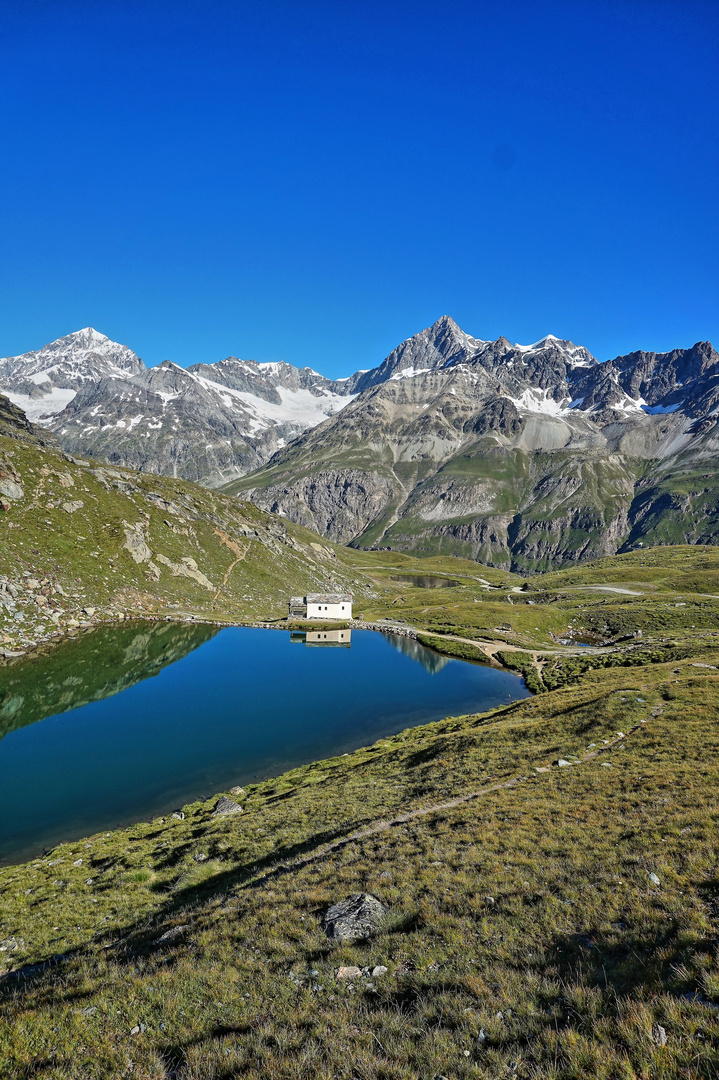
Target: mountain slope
column 81, row 543
column 523, row 456
column 210, row 422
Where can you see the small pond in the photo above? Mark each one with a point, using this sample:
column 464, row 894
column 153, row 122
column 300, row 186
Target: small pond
column 129, row 722
column 427, row 581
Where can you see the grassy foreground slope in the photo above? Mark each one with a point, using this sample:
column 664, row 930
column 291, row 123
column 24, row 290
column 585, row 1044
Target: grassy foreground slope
column 544, row 920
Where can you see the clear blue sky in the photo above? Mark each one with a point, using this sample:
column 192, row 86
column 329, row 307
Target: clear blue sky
column 315, row 181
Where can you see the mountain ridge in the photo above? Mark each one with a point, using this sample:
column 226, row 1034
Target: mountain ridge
column 518, row 455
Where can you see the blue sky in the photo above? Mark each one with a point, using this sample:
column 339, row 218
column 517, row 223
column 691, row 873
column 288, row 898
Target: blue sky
column 315, row 181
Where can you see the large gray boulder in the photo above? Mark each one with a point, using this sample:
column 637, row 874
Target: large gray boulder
column 226, row 806
column 355, row 919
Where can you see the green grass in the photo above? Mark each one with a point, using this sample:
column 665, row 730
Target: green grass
column 525, row 936
column 526, row 914
column 248, row 562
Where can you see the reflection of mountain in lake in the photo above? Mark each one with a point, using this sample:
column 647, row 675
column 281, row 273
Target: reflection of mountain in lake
column 430, row 661
column 91, row 667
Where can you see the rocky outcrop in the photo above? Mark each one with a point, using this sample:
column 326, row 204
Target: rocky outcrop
column 225, row 806
column 335, row 503
column 14, row 424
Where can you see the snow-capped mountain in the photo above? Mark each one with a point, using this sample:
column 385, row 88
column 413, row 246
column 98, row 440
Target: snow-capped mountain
column 210, row 422
column 515, row 454
column 522, row 455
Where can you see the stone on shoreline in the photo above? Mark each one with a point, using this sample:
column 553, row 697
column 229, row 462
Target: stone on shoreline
column 224, row 805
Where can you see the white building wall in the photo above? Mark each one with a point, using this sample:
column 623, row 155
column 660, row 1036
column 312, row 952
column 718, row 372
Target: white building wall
column 330, row 611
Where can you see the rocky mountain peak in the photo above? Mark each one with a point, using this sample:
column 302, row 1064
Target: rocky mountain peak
column 439, row 345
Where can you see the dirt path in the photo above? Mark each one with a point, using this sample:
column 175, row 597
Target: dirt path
column 384, row 824
column 239, row 552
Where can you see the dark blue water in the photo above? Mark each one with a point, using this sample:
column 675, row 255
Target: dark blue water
column 245, row 705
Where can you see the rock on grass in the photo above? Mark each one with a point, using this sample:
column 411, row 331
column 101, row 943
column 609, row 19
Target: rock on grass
column 355, row 919
column 224, row 805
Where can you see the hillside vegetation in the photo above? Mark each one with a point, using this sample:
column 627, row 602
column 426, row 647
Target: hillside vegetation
column 83, row 543
column 550, row 868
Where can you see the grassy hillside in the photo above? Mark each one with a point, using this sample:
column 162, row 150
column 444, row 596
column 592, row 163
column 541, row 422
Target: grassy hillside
column 82, row 543
column 544, row 920
column 526, row 935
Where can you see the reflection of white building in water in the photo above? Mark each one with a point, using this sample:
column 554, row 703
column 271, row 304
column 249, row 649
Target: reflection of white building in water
column 343, row 638
column 321, row 606
column 329, row 637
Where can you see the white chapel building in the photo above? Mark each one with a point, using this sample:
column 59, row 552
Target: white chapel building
column 321, row 606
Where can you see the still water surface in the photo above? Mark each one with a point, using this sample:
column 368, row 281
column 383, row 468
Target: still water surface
column 130, row 722
column 427, row 581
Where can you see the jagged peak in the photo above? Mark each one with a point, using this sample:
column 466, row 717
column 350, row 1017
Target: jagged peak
column 577, row 355
column 445, row 322
column 90, row 333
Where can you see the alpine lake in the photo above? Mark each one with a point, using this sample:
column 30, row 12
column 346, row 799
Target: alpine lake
column 129, row 722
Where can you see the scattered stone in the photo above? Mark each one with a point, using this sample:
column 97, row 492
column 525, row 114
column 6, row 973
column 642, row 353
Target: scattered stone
column 237, row 790
column 711, row 666
column 173, row 934
column 378, row 971
column 489, row 900
column 606, row 765
column 135, row 542
column 71, row 507
column 354, row 919
column 542, row 768
column 200, row 857
column 654, row 879
column 78, row 862
column 562, row 763
column 32, row 583
column 179, row 815
column 12, row 944
column 348, row 973
column 226, row 806
column 10, row 489
column 89, row 611
column 659, row 1035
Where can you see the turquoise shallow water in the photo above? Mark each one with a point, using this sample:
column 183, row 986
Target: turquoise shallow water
column 236, row 706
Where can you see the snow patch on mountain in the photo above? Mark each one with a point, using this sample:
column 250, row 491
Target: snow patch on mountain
column 42, row 410
column 408, row 373
column 541, row 401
